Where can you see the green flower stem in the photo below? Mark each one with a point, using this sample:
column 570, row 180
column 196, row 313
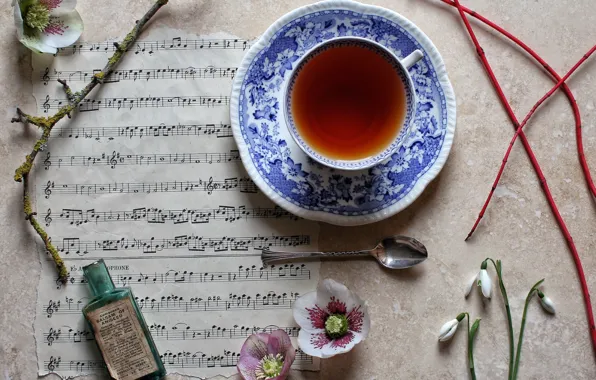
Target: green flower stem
column 471, row 334
column 499, row 269
column 523, row 326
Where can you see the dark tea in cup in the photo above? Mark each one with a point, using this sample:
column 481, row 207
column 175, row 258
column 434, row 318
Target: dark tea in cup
column 348, row 102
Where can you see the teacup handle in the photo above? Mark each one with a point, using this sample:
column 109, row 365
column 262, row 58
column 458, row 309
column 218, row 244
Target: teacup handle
column 411, row 59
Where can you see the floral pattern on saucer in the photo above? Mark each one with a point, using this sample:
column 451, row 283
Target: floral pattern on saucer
column 297, row 182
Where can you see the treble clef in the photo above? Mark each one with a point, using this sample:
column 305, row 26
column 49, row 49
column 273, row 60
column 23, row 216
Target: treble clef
column 47, row 163
column 52, row 336
column 46, row 104
column 53, row 363
column 52, row 308
column 45, row 77
column 113, row 161
column 48, row 188
column 48, row 218
column 210, row 186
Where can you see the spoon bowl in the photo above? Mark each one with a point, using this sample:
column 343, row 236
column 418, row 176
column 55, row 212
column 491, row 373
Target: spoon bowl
column 395, row 252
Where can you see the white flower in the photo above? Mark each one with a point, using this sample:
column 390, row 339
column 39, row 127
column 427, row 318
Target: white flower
column 332, row 320
column 485, row 283
column 45, row 25
column 482, row 279
column 470, row 285
column 448, row 329
column 547, row 303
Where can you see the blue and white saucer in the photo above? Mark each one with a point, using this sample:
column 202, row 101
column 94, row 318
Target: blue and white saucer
column 284, row 172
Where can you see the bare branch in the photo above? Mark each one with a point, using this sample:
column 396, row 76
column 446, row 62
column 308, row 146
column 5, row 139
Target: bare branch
column 47, row 123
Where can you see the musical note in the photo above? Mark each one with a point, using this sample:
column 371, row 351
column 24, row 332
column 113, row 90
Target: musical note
column 78, row 217
column 150, row 47
column 253, row 273
column 243, row 185
column 169, row 73
column 174, row 303
column 117, row 159
column 88, row 105
column 191, row 243
column 48, row 218
column 183, row 359
column 179, row 331
column 143, row 131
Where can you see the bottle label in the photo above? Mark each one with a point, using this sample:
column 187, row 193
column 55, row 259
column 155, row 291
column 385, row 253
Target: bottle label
column 121, row 340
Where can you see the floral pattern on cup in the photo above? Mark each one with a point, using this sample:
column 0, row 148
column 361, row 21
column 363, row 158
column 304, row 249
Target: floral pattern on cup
column 287, row 174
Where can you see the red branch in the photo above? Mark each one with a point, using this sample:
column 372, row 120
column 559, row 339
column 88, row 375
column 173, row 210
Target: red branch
column 519, row 130
column 556, row 77
column 538, row 170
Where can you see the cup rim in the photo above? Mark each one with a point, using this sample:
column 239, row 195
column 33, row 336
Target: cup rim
column 364, row 163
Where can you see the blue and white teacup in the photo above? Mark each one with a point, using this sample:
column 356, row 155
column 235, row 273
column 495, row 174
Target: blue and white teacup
column 401, row 67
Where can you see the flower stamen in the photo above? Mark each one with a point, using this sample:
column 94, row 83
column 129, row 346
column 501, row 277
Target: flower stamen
column 38, row 16
column 269, row 367
column 336, row 326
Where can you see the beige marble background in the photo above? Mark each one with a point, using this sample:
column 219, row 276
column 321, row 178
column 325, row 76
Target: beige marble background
column 407, row 308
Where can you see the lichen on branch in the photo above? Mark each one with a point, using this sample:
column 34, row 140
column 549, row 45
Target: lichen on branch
column 46, row 124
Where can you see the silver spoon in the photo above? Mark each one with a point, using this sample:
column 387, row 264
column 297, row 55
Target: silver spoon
column 395, row 252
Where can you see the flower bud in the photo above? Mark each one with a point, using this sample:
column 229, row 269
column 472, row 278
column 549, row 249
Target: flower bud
column 470, row 285
column 485, row 283
column 448, row 330
column 547, row 303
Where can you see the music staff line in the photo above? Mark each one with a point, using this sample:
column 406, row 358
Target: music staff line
column 150, row 47
column 184, row 359
column 177, row 304
column 209, row 72
column 243, row 185
column 220, row 130
column 192, row 243
column 117, row 159
column 253, row 273
column 90, row 105
column 78, row 217
column 180, row 331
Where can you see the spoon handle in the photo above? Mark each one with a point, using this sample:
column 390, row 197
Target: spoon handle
column 272, row 257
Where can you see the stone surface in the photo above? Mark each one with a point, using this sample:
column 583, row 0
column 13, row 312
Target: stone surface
column 408, row 307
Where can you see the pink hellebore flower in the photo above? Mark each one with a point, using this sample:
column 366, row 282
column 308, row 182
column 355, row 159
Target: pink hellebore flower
column 332, row 320
column 45, row 25
column 266, row 356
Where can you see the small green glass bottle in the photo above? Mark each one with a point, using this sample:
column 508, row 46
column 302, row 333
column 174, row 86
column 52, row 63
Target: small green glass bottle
column 120, row 329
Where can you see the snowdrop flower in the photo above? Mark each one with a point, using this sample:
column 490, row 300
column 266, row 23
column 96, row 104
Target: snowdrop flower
column 470, row 285
column 45, row 25
column 266, row 356
column 483, row 280
column 448, row 329
column 547, row 303
column 332, row 320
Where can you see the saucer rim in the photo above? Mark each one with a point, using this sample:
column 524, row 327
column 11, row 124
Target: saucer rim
column 423, row 181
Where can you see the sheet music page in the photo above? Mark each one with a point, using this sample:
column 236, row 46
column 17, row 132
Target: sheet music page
column 146, row 175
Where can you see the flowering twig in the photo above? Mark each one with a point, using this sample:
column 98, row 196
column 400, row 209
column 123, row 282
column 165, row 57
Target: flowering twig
column 47, row 123
column 538, row 170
